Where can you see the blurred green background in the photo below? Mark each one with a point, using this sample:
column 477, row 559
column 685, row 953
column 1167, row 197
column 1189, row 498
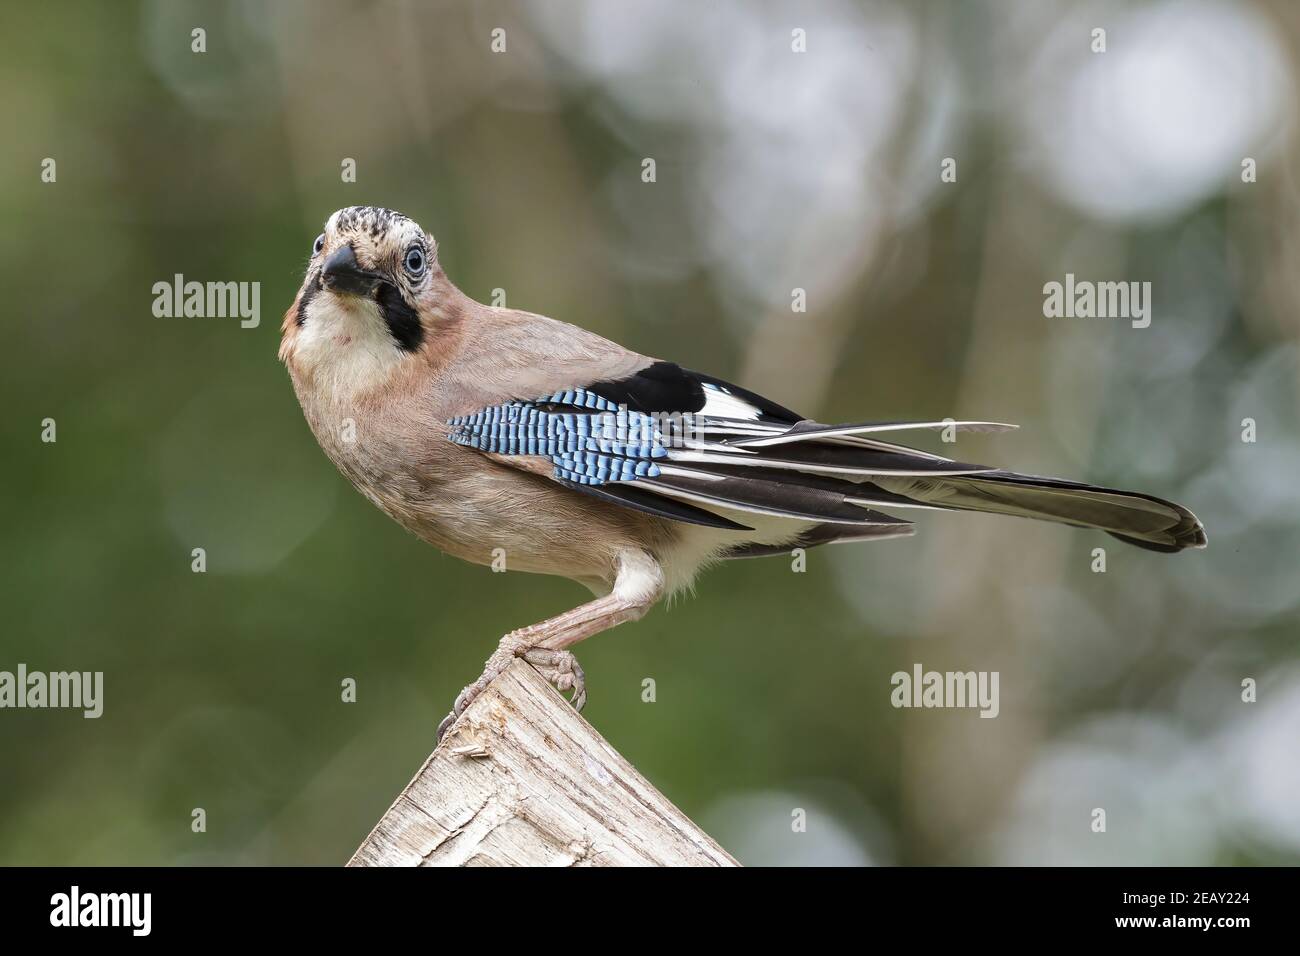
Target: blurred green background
column 775, row 170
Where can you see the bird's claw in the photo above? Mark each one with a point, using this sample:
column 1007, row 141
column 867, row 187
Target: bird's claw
column 506, row 651
column 560, row 668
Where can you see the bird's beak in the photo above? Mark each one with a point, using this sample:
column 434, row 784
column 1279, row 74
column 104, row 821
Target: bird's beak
column 342, row 274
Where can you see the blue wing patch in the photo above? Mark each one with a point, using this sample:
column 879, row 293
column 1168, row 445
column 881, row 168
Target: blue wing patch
column 609, row 443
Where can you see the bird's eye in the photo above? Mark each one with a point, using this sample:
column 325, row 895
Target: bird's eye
column 414, row 260
column 318, row 245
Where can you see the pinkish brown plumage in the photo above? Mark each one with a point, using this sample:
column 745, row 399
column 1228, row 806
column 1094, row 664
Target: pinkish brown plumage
column 385, row 353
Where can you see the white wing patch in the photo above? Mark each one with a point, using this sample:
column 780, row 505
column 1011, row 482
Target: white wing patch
column 721, row 403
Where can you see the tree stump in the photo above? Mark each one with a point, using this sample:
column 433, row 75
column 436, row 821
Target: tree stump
column 522, row 780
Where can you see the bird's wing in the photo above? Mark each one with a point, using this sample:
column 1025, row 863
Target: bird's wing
column 685, row 446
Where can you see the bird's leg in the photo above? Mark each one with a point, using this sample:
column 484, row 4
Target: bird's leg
column 638, row 583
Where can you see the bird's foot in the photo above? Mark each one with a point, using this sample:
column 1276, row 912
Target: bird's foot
column 560, row 668
column 509, row 648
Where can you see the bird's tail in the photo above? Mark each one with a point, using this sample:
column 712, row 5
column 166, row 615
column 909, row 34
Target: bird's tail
column 1138, row 519
column 840, row 475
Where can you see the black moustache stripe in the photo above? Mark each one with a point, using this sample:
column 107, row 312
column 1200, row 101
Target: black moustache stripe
column 403, row 321
column 308, row 294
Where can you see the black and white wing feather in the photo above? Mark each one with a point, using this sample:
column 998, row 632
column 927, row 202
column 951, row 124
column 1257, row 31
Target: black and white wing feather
column 693, row 448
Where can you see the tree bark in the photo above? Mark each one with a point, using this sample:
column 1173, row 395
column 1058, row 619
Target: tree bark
column 522, row 780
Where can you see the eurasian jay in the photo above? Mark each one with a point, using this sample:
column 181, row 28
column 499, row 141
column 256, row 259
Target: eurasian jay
column 491, row 432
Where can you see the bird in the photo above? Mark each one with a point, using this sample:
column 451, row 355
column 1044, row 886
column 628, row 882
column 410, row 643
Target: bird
column 494, row 433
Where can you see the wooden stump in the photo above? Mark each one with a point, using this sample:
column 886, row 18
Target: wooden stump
column 522, row 780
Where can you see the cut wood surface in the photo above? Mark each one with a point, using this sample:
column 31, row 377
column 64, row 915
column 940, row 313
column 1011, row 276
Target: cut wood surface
column 522, row 780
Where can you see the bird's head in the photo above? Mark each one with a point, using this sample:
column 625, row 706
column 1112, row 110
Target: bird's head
column 369, row 300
